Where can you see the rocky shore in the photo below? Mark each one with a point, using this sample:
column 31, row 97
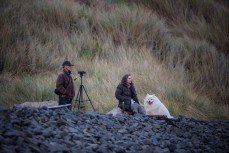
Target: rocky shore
column 25, row 130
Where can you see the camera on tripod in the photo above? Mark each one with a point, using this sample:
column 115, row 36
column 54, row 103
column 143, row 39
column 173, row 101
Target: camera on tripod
column 79, row 98
column 81, row 73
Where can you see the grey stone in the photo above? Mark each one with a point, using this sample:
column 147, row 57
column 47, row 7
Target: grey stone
column 181, row 151
column 122, row 131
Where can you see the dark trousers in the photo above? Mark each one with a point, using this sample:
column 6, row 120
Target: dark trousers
column 64, row 101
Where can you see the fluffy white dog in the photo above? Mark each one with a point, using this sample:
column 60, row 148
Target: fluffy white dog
column 153, row 106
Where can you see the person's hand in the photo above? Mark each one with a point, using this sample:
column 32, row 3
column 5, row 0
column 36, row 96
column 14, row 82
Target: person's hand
column 132, row 101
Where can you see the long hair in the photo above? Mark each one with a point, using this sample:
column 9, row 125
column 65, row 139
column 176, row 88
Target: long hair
column 124, row 80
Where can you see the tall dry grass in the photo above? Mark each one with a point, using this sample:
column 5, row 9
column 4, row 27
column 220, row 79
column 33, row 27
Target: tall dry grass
column 196, row 42
column 168, row 56
column 102, row 78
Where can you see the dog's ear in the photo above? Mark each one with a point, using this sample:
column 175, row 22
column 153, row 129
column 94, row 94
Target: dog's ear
column 147, row 94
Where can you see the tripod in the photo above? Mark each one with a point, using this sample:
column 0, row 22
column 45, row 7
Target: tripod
column 79, row 97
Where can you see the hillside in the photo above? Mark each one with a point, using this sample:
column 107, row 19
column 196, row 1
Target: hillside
column 176, row 50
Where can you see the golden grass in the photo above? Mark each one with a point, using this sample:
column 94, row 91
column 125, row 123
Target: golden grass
column 100, row 82
column 175, row 53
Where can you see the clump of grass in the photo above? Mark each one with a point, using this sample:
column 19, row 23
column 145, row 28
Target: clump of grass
column 27, row 88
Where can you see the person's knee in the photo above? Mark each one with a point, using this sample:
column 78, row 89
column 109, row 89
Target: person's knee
column 137, row 108
column 134, row 108
column 140, row 110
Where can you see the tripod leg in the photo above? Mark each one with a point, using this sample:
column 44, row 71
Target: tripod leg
column 88, row 97
column 81, row 96
column 77, row 97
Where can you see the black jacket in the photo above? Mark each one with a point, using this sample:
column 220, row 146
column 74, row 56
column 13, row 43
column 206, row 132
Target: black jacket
column 125, row 94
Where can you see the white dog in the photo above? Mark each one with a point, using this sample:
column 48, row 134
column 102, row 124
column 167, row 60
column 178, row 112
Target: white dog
column 153, row 106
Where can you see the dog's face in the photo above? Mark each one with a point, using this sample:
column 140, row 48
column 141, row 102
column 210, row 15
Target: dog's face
column 150, row 99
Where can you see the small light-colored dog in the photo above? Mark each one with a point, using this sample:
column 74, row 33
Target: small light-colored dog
column 153, row 106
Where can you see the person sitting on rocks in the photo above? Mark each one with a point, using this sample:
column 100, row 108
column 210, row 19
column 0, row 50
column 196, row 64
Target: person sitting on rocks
column 125, row 92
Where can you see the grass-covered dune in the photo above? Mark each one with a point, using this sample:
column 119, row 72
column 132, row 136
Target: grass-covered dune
column 177, row 50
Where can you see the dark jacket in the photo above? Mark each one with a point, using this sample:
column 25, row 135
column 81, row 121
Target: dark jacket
column 125, row 94
column 65, row 85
